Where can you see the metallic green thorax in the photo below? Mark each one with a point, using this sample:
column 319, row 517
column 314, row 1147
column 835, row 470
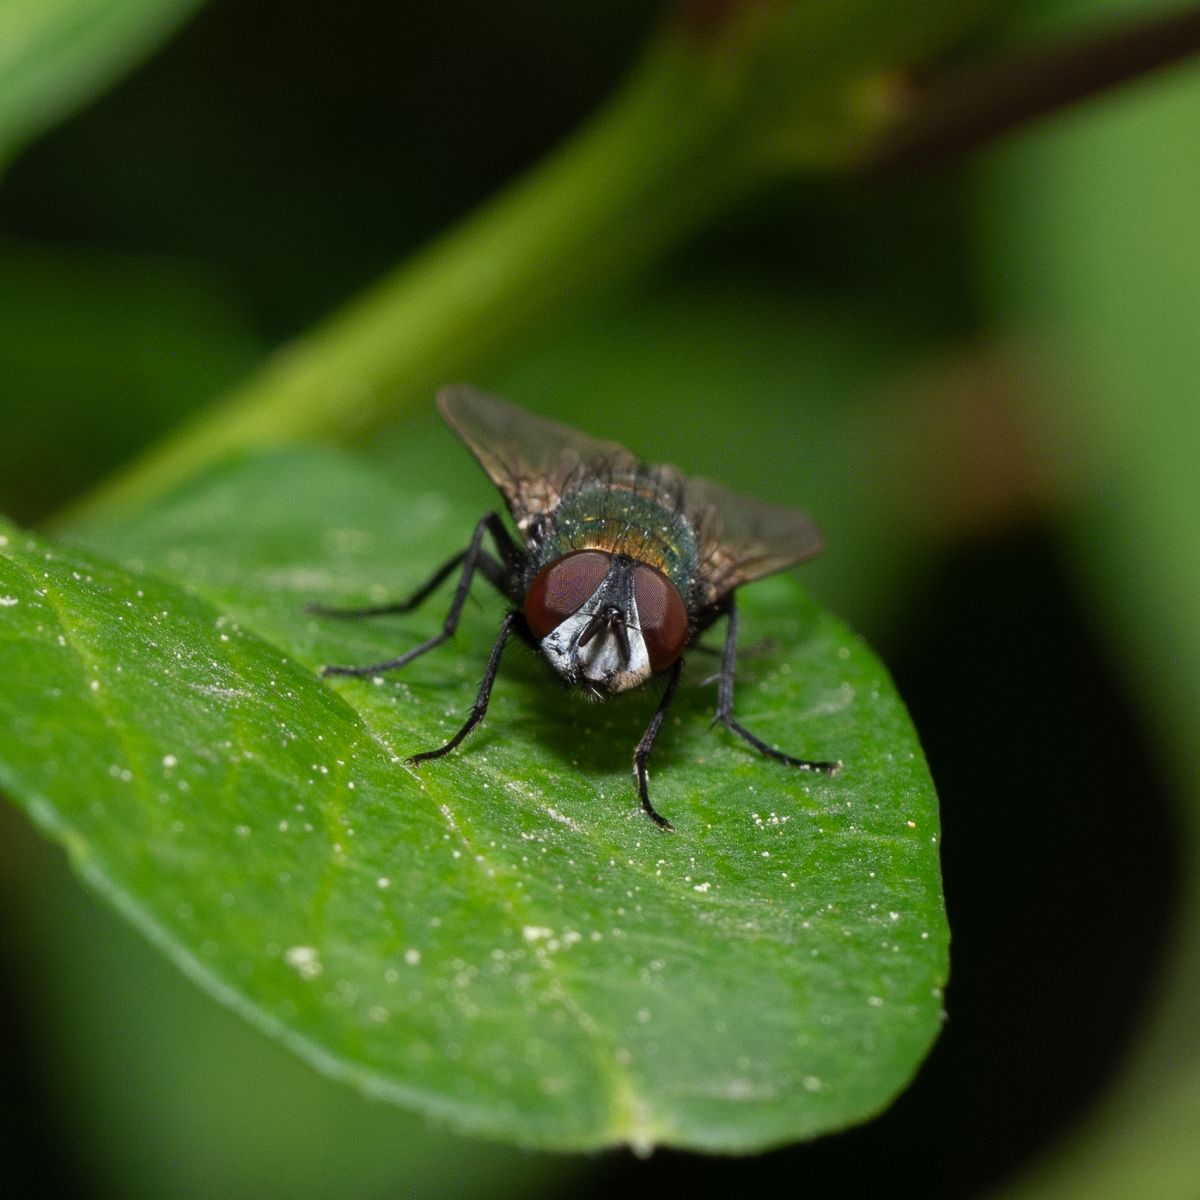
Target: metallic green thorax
column 623, row 521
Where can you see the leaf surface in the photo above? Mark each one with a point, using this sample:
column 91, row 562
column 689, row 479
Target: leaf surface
column 55, row 55
column 500, row 938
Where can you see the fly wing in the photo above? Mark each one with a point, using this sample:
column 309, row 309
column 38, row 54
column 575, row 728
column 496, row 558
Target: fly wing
column 534, row 462
column 741, row 539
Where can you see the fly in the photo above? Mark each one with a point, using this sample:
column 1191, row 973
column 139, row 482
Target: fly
column 619, row 567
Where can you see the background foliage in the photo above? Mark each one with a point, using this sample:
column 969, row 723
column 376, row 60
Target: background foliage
column 992, row 368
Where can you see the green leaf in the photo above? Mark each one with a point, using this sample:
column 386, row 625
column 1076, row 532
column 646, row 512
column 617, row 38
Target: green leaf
column 500, row 938
column 55, row 55
column 169, row 1094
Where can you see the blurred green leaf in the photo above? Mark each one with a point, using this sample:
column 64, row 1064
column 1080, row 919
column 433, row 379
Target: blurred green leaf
column 105, row 352
column 501, row 939
column 57, row 55
column 1091, row 247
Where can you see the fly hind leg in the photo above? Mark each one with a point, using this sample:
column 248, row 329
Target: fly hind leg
column 725, row 706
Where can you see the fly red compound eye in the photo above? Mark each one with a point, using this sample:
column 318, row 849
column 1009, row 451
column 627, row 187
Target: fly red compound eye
column 661, row 615
column 562, row 588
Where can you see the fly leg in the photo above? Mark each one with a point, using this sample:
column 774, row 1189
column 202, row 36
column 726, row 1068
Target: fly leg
column 395, row 606
column 479, row 708
column 641, row 755
column 725, row 704
column 487, row 566
column 473, row 558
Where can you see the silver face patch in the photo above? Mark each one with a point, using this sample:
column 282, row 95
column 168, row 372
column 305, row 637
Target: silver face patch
column 599, row 662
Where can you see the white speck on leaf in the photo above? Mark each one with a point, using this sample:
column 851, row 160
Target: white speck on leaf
column 305, row 960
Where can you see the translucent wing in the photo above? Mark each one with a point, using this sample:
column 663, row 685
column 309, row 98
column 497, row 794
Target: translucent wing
column 741, row 539
column 534, row 462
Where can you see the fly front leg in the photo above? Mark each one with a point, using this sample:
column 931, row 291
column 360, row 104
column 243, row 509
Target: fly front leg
column 725, row 704
column 473, row 558
column 479, row 708
column 642, row 754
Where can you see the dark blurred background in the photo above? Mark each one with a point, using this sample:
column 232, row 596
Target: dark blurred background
column 270, row 161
